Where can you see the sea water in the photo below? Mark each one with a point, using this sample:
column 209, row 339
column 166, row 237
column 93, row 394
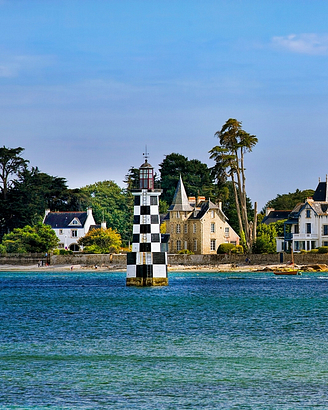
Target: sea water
column 207, row 341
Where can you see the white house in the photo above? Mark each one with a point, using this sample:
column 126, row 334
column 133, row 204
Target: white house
column 308, row 221
column 70, row 226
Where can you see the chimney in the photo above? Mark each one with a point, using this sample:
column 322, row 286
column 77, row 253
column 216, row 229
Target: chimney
column 220, row 205
column 103, row 225
column 268, row 210
column 192, row 200
column 200, row 199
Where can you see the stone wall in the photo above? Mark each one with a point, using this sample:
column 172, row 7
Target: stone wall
column 24, row 259
column 119, row 261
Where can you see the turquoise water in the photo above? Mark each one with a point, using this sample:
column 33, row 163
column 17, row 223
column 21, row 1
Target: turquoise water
column 207, row 341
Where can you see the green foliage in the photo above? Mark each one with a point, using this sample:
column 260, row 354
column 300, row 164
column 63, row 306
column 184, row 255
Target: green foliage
column 234, row 142
column 230, row 248
column 101, row 241
column 313, row 251
column 186, row 252
column 288, row 201
column 196, row 177
column 3, row 249
column 279, row 225
column 226, row 248
column 323, row 249
column 163, row 207
column 113, row 204
column 266, row 239
column 10, row 164
column 238, row 249
column 39, row 238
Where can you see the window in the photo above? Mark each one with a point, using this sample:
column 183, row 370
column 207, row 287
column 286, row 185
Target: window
column 75, row 222
column 212, row 214
column 137, row 200
column 324, row 243
column 194, row 228
column 226, row 231
column 212, row 227
column 195, row 244
column 185, row 228
column 185, row 245
column 178, row 245
column 213, row 244
column 178, row 228
column 153, row 200
column 154, row 219
column 296, row 229
column 325, row 230
column 308, row 228
column 178, row 214
column 308, row 213
column 74, row 233
column 60, row 232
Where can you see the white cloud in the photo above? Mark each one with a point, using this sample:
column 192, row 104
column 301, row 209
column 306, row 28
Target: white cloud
column 307, row 43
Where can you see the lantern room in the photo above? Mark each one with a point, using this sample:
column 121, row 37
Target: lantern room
column 146, row 176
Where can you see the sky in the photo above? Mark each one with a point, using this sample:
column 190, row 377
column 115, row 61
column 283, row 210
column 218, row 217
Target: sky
column 86, row 85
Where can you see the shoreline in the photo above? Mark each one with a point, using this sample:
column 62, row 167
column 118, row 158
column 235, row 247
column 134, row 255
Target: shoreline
column 171, row 268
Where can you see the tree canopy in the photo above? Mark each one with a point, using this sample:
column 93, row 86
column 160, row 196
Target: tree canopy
column 196, row 177
column 234, row 142
column 39, row 238
column 113, row 204
column 288, row 201
column 266, row 239
column 10, row 164
column 101, row 241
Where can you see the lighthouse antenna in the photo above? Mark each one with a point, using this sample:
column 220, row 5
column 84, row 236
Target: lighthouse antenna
column 146, row 154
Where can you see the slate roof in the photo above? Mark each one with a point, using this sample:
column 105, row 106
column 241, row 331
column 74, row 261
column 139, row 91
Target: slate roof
column 180, row 200
column 320, row 194
column 202, row 208
column 275, row 216
column 62, row 220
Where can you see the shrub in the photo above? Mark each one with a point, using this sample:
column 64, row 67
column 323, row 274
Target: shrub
column 3, row 249
column 323, row 249
column 238, row 249
column 314, row 251
column 225, row 248
column 186, row 252
column 65, row 252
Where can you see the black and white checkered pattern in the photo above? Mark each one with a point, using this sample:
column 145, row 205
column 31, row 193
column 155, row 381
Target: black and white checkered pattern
column 146, row 259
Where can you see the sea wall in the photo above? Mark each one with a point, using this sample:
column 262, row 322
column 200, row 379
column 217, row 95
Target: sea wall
column 119, row 261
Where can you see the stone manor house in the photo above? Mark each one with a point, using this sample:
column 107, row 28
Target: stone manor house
column 197, row 224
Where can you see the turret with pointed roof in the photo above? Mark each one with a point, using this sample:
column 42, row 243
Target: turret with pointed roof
column 180, row 200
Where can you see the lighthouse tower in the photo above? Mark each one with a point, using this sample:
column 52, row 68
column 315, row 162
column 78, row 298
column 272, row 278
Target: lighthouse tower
column 147, row 263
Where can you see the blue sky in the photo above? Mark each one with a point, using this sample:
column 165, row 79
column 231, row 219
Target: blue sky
column 85, row 85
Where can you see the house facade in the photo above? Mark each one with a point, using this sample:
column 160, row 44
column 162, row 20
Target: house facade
column 70, row 226
column 197, row 225
column 307, row 224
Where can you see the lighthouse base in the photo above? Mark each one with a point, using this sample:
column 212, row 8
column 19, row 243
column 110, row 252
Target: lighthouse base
column 147, row 281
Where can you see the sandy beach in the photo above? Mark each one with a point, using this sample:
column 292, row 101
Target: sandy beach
column 174, row 268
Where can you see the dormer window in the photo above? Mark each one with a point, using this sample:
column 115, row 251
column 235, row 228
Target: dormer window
column 75, row 222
